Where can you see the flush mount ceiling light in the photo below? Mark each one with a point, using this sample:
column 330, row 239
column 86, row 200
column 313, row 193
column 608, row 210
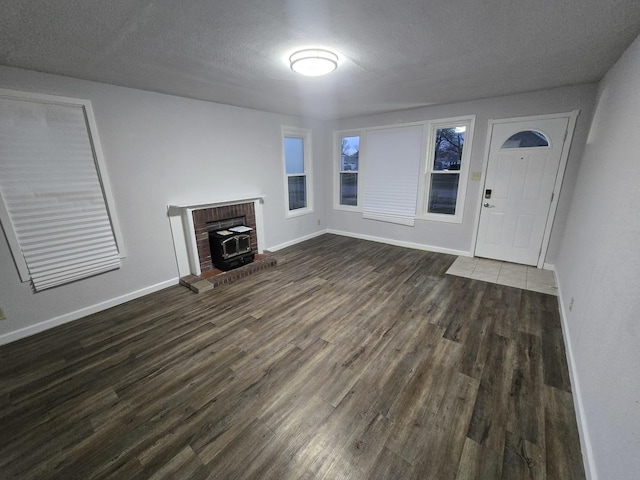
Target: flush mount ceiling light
column 313, row 62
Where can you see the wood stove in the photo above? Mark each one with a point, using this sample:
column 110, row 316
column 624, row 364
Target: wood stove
column 231, row 248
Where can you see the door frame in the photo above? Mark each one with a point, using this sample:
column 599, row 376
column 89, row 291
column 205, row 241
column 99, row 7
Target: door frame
column 566, row 147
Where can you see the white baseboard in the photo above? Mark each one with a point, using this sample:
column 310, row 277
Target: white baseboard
column 83, row 312
column 583, row 429
column 400, row 243
column 275, row 248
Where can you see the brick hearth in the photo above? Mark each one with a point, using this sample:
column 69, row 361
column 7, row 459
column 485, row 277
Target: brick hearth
column 215, row 278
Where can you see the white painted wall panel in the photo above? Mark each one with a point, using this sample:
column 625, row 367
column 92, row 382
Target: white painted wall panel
column 599, row 267
column 161, row 150
column 459, row 237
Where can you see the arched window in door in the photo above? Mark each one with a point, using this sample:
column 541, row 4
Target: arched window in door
column 526, row 139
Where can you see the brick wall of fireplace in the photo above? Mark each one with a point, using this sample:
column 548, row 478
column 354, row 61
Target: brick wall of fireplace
column 205, row 217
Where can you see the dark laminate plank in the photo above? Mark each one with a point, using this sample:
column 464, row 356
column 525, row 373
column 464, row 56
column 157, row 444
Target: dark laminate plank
column 562, row 447
column 476, row 345
column 417, row 404
column 467, row 307
column 351, row 359
column 294, row 429
column 490, row 413
column 357, row 458
column 231, row 461
column 77, row 414
column 440, row 453
column 125, row 438
column 352, row 416
column 479, row 463
column 390, row 465
column 403, row 357
column 554, row 359
column 239, row 406
column 523, row 459
column 29, row 409
column 457, row 290
column 505, row 305
column 526, row 400
column 40, row 457
column 185, row 464
column 529, row 318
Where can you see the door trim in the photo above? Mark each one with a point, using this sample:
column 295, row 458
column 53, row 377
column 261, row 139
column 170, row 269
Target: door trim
column 572, row 116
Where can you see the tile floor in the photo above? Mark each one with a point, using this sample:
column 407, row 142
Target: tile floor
column 504, row 273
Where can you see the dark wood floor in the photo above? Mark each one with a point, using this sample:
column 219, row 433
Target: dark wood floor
column 351, row 359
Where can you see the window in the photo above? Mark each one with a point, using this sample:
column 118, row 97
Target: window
column 53, row 205
column 446, row 169
column 348, row 147
column 393, row 158
column 297, row 161
column 526, row 139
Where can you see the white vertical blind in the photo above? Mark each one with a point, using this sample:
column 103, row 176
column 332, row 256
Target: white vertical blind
column 391, row 171
column 52, row 192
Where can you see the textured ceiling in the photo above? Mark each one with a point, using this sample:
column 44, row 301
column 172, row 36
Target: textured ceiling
column 394, row 54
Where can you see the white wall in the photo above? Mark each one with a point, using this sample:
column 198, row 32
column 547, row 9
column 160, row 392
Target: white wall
column 599, row 267
column 450, row 236
column 161, row 150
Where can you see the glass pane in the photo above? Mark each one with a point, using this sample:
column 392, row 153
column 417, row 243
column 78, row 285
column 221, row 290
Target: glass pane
column 443, row 193
column 294, row 155
column 350, row 153
column 244, row 243
column 526, row 139
column 349, row 189
column 448, row 149
column 297, row 192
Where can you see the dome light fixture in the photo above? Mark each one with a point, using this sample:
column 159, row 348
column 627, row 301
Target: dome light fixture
column 313, row 62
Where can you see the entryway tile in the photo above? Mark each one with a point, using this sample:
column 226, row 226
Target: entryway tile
column 504, row 273
column 542, row 288
column 513, row 274
column 485, row 277
column 459, row 271
column 536, row 275
column 514, row 267
column 465, row 262
column 489, row 268
column 512, row 282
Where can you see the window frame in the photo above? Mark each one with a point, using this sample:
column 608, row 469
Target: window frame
column 337, row 148
column 427, row 170
column 305, row 135
column 101, row 170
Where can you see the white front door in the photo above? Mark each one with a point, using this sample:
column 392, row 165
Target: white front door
column 524, row 157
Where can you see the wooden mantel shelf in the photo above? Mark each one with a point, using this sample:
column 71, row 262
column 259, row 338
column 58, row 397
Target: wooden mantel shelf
column 175, row 210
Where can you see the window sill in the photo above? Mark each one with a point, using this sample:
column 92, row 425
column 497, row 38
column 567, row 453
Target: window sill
column 347, row 208
column 299, row 213
column 440, row 217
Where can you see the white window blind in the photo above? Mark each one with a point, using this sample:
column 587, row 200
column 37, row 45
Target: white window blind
column 391, row 174
column 52, row 196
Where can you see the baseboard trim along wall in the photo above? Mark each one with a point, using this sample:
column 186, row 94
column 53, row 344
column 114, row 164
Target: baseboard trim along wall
column 275, row 248
column 400, row 243
column 83, row 312
column 583, row 429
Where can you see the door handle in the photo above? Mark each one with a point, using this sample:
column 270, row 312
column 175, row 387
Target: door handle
column 489, row 206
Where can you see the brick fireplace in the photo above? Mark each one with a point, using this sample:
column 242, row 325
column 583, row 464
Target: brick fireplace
column 212, row 218
column 190, row 225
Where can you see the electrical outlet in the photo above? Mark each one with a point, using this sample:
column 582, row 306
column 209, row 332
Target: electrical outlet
column 1, row 315
column 571, row 304
column 318, row 221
